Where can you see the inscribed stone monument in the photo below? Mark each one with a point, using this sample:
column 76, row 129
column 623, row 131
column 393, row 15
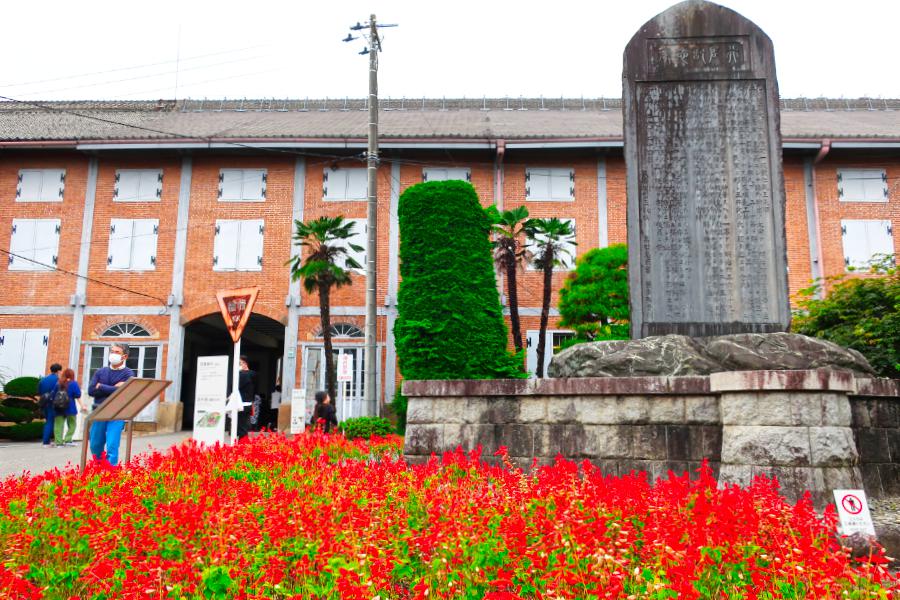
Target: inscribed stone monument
column 706, row 235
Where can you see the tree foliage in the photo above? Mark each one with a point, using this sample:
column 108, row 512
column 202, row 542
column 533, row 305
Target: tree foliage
column 862, row 313
column 510, row 256
column 24, row 387
column 594, row 298
column 450, row 323
column 324, row 267
column 550, row 239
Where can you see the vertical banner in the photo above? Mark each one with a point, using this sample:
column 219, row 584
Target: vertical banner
column 209, row 399
column 299, row 417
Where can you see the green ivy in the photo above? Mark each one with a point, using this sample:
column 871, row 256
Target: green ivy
column 450, row 323
column 399, row 406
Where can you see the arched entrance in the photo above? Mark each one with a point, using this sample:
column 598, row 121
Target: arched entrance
column 262, row 343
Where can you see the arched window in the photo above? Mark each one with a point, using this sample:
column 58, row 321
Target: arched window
column 125, row 330
column 344, row 331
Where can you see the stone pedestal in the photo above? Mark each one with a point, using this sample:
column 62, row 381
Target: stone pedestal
column 169, row 417
column 793, row 425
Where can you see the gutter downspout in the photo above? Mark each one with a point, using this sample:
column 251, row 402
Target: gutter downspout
column 815, row 228
column 498, row 201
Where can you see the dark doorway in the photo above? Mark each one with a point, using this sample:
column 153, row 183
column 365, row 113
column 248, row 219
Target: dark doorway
column 262, row 342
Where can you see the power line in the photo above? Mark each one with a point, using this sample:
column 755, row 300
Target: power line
column 120, row 69
column 85, row 277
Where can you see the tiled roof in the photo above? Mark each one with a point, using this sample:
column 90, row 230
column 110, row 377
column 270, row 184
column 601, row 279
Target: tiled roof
column 504, row 118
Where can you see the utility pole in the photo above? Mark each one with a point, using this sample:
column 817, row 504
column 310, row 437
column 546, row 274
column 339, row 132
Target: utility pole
column 372, row 357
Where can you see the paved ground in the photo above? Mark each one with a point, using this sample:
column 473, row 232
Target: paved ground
column 16, row 457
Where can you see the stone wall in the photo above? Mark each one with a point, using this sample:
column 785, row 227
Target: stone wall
column 797, row 425
column 875, row 420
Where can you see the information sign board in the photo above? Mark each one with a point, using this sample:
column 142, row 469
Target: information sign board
column 209, row 399
column 299, row 417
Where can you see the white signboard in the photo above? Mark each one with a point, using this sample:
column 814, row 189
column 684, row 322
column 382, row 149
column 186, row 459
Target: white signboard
column 299, row 417
column 209, row 399
column 345, row 367
column 853, row 509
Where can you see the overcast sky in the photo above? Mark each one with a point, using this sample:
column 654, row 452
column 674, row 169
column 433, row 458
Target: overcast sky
column 441, row 48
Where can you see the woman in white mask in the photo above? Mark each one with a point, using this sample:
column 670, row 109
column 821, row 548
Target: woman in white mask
column 105, row 435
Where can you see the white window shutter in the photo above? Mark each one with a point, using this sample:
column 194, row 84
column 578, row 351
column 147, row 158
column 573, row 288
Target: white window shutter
column 255, row 184
column 250, row 255
column 12, row 347
column 561, row 184
column 880, row 237
column 29, row 187
column 128, row 187
column 537, row 184
column 121, row 232
column 143, row 248
column 230, row 184
column 34, row 355
column 46, row 243
column 21, row 245
column 854, row 234
column 151, row 184
column 357, row 184
column 862, row 185
column 531, row 344
column 225, row 246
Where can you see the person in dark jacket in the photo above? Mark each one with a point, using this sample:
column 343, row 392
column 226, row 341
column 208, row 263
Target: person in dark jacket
column 327, row 415
column 46, row 386
column 247, row 389
column 66, row 419
column 104, row 382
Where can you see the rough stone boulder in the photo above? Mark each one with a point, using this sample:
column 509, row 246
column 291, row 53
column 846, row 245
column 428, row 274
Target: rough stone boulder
column 669, row 355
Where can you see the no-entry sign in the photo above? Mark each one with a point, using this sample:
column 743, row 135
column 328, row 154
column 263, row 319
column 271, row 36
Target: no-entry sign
column 853, row 509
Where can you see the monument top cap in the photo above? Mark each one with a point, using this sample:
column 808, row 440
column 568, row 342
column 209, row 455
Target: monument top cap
column 700, row 40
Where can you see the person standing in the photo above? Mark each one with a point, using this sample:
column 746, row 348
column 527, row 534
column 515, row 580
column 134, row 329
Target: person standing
column 325, row 413
column 65, row 419
column 247, row 390
column 46, row 386
column 104, row 382
column 274, row 405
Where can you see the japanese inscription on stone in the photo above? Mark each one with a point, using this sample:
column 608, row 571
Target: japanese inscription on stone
column 705, row 188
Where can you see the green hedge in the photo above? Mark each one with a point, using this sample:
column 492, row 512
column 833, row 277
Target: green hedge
column 23, row 403
column 366, row 427
column 21, row 386
column 16, row 415
column 450, row 323
column 23, row 432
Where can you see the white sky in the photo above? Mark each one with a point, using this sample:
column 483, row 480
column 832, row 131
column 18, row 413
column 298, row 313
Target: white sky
column 442, row 48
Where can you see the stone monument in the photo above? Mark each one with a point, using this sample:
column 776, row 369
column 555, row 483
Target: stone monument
column 706, row 238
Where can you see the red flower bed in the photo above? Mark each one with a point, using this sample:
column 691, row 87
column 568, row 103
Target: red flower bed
column 321, row 517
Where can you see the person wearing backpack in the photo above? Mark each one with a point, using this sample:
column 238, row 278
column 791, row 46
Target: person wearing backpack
column 65, row 397
column 108, row 434
column 46, row 386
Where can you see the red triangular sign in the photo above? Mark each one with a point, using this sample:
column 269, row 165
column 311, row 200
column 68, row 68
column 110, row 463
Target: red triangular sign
column 236, row 306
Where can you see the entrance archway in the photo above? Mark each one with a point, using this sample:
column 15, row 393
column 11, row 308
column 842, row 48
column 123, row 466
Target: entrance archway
column 262, row 343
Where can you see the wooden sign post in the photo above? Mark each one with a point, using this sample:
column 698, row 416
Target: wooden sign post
column 236, row 306
column 123, row 405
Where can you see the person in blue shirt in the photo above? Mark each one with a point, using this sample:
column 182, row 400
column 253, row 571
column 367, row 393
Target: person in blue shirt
column 104, row 382
column 46, row 386
column 66, row 419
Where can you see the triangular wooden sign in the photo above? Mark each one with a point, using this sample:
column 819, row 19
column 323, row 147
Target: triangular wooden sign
column 236, row 306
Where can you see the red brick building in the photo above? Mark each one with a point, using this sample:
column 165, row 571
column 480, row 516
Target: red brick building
column 122, row 219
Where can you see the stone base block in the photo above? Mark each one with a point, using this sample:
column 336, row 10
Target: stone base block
column 169, row 417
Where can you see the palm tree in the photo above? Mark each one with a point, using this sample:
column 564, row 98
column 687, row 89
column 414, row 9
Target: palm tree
column 510, row 255
column 326, row 266
column 549, row 238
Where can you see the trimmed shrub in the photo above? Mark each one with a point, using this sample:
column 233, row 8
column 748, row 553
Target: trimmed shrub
column 21, row 386
column 16, row 415
column 23, row 432
column 365, row 427
column 398, row 407
column 23, row 403
column 594, row 298
column 450, row 323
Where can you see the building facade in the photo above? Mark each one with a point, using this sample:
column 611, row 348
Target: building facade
column 121, row 220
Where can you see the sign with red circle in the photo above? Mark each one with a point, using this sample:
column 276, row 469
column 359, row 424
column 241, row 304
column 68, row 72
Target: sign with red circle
column 852, row 504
